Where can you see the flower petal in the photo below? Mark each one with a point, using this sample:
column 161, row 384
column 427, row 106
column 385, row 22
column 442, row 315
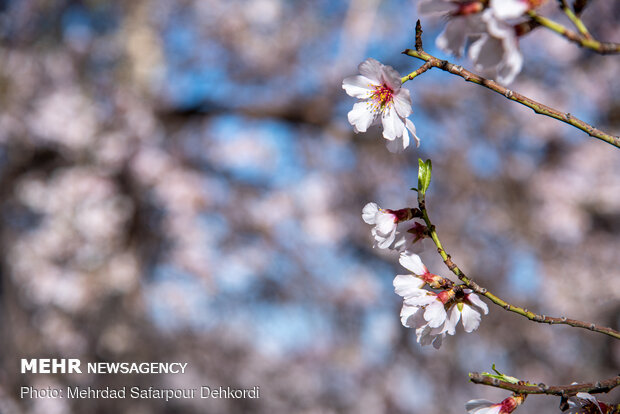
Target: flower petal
column 509, row 9
column 402, row 103
column 392, row 125
column 385, row 240
column 471, row 318
column 371, row 69
column 412, row 316
column 438, row 341
column 423, row 299
column 452, row 38
column 408, row 286
column 385, row 222
column 411, row 127
column 358, row 86
column 391, row 78
column 435, row 314
column 477, row 302
column 486, row 52
column 361, row 117
column 452, row 320
column 510, row 66
column 369, row 212
column 482, row 407
column 413, row 263
column 397, row 145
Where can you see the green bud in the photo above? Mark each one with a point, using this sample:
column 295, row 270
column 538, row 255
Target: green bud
column 424, row 175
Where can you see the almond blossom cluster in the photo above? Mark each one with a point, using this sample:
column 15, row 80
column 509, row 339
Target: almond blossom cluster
column 432, row 314
column 489, row 25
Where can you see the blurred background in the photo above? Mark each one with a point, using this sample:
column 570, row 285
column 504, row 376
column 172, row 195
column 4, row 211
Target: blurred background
column 179, row 182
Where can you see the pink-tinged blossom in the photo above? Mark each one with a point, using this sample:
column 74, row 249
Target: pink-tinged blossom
column 507, row 406
column 385, row 223
column 382, row 97
column 584, row 403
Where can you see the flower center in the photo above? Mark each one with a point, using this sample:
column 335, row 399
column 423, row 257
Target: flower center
column 383, row 96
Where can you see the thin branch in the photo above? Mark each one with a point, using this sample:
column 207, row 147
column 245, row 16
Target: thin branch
column 495, row 299
column 575, row 19
column 426, row 66
column 562, row 390
column 514, row 96
column 581, row 39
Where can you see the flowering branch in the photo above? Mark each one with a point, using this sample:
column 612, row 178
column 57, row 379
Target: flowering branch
column 513, row 96
column 563, row 390
column 583, row 39
column 495, row 299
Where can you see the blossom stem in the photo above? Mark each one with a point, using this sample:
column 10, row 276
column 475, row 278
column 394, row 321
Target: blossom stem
column 426, row 66
column 562, row 390
column 497, row 300
column 514, row 96
column 575, row 19
column 583, row 39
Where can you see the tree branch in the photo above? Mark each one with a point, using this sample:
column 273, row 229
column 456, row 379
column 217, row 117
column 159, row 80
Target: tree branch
column 562, row 390
column 495, row 299
column 513, row 96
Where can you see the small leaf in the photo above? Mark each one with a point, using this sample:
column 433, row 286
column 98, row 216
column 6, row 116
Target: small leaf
column 414, row 189
column 424, row 175
column 500, row 376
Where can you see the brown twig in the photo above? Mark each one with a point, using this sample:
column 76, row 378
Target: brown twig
column 561, row 390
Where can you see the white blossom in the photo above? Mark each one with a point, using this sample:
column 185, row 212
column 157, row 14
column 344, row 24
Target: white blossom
column 464, row 21
column 507, row 406
column 497, row 48
column 495, row 42
column 382, row 96
column 585, row 403
column 385, row 223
